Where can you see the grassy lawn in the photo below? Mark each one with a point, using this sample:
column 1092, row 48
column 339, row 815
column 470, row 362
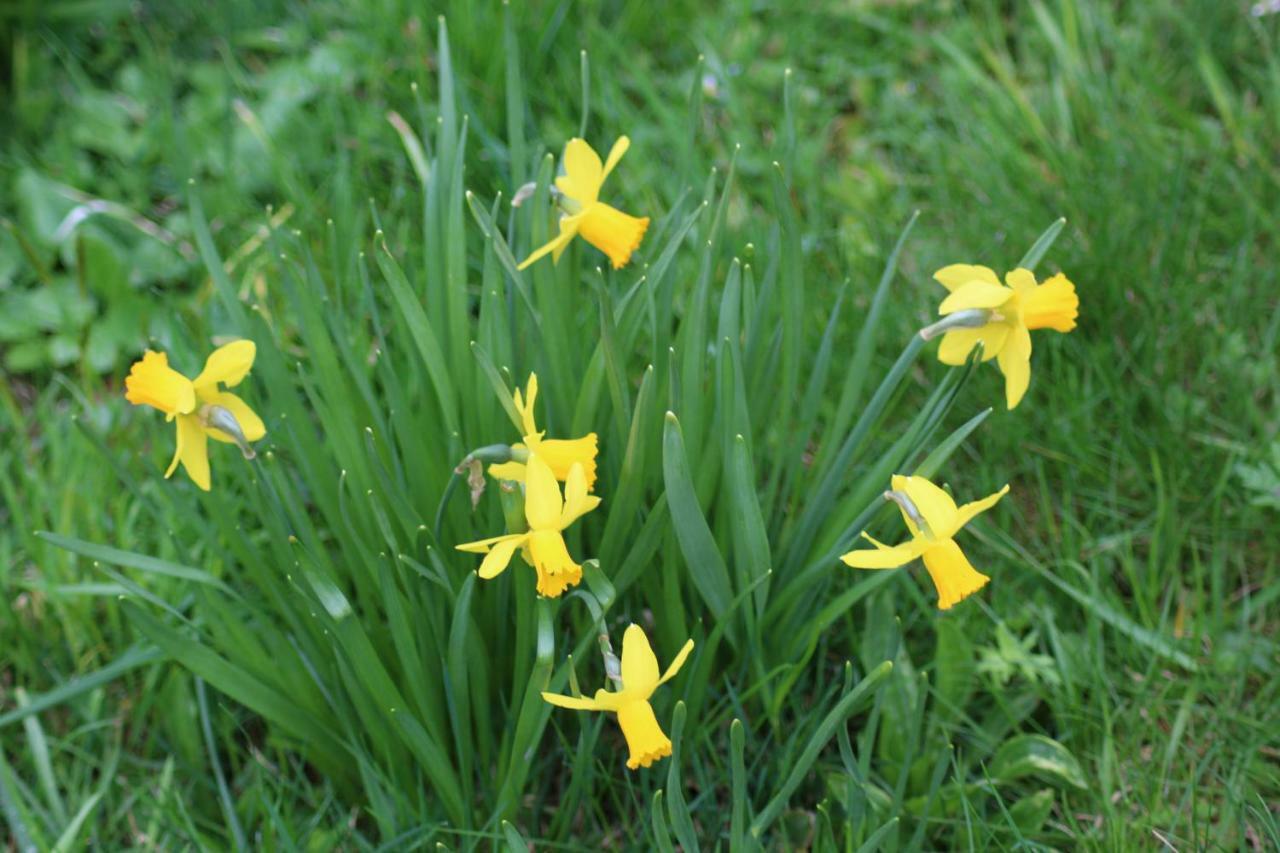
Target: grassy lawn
column 300, row 659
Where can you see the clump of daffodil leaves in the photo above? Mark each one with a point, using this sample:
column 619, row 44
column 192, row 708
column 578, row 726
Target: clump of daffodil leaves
column 979, row 310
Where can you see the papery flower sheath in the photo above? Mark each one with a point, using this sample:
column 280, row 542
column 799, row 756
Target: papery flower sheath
column 1003, row 316
column 542, row 545
column 933, row 519
column 645, row 738
column 201, row 408
column 560, row 454
column 613, row 232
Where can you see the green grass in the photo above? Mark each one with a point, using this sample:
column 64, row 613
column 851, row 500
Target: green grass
column 1112, row 689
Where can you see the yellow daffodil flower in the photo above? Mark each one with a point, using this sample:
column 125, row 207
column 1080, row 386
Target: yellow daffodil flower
column 933, row 519
column 202, row 409
column 560, row 454
column 640, row 727
column 542, row 545
column 613, row 232
column 1001, row 317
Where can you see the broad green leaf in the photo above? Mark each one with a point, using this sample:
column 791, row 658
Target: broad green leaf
column 702, row 557
column 1036, row 755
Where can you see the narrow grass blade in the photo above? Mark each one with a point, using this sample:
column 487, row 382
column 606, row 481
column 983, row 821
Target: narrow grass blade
column 133, row 658
column 128, row 559
column 677, row 808
column 738, row 781
column 876, row 839
column 1042, row 245
column 658, row 821
column 825, row 731
column 859, row 369
column 70, row 838
column 224, row 793
column 38, row 750
column 424, row 337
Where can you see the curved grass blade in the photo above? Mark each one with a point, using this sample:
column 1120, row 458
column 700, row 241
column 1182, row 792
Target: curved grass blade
column 825, row 731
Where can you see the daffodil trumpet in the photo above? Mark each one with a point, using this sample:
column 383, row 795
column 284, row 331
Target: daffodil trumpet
column 201, row 407
column 933, row 519
column 559, row 453
column 636, row 677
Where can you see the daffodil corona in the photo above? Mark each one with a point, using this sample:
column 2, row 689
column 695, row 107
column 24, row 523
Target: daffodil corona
column 933, row 519
column 645, row 738
column 202, row 409
column 1001, row 317
column 613, row 232
column 560, row 454
column 542, row 545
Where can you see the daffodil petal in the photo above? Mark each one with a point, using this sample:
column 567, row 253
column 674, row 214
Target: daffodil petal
column 227, row 364
column 507, row 471
column 958, row 343
column 177, row 450
column 577, row 502
column 482, row 546
column 1015, row 364
column 1023, row 281
column 677, row 662
column 568, row 229
column 152, row 382
column 937, row 507
column 639, row 664
column 615, row 154
column 884, row 556
column 971, row 510
column 576, row 703
column 609, row 701
column 975, row 294
column 583, row 170
column 497, row 560
column 542, row 503
column 524, row 405
column 952, row 574
column 193, row 450
column 958, row 275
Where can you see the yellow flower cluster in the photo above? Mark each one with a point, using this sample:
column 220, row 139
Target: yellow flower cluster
column 979, row 311
column 542, row 546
